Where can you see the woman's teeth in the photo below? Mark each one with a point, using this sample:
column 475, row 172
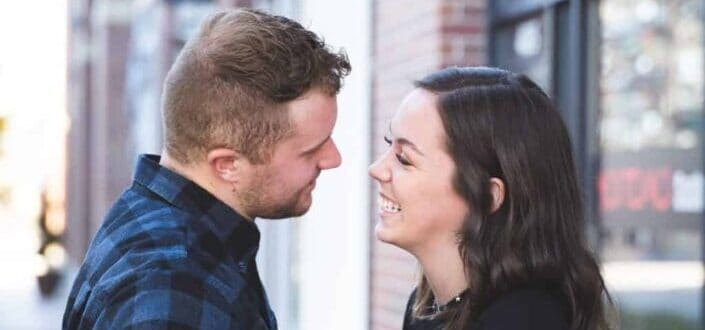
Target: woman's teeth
column 388, row 206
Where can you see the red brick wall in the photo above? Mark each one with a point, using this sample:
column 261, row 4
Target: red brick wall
column 463, row 32
column 412, row 38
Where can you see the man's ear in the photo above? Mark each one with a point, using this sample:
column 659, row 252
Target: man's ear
column 227, row 164
column 497, row 190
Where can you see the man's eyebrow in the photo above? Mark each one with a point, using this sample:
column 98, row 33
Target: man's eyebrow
column 309, row 150
column 405, row 142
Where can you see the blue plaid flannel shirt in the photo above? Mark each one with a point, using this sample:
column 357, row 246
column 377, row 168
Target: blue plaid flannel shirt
column 169, row 255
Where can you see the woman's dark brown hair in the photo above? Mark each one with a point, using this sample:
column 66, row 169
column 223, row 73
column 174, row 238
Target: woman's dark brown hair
column 502, row 125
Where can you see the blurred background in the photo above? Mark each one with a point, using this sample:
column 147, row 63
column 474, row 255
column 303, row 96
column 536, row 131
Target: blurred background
column 80, row 84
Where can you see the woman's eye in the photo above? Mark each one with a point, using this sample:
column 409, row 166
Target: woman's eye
column 402, row 160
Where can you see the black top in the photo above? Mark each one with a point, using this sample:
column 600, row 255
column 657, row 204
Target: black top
column 170, row 255
column 521, row 309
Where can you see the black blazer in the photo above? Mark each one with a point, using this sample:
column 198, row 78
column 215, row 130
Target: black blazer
column 521, row 309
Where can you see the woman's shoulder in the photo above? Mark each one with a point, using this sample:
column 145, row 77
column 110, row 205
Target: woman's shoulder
column 411, row 323
column 525, row 308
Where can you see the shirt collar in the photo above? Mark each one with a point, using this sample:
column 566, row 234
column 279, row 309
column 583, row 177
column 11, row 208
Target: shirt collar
column 214, row 221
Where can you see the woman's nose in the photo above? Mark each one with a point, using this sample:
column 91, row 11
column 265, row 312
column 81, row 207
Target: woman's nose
column 378, row 170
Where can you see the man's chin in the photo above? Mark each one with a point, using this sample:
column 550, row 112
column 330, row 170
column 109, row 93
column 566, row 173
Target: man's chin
column 286, row 213
column 299, row 211
column 291, row 210
column 302, row 207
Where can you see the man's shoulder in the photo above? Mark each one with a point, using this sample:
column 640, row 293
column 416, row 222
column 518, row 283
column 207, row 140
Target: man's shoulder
column 158, row 295
column 144, row 237
column 141, row 205
column 139, row 216
column 139, row 233
column 143, row 255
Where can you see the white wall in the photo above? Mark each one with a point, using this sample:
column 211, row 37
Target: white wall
column 334, row 234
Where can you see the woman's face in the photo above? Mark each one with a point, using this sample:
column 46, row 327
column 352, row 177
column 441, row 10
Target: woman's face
column 418, row 206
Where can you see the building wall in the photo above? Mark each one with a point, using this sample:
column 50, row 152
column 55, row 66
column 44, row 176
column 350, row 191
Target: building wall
column 78, row 97
column 412, row 38
column 98, row 163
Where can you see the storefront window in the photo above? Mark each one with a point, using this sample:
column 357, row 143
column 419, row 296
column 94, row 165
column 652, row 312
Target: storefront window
column 526, row 47
column 651, row 184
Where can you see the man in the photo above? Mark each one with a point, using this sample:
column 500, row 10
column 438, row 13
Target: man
column 248, row 110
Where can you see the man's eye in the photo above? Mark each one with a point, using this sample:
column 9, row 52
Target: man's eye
column 388, row 140
column 402, row 160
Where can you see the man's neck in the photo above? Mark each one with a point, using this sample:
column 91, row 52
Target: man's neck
column 198, row 173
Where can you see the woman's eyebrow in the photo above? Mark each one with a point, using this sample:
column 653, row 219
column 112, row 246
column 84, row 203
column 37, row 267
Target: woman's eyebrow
column 405, row 142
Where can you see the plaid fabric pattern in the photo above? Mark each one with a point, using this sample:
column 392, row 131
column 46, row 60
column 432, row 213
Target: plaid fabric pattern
column 169, row 255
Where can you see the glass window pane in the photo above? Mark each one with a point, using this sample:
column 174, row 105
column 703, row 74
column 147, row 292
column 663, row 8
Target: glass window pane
column 651, row 182
column 526, row 47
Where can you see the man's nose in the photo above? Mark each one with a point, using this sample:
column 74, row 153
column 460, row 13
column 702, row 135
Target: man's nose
column 332, row 158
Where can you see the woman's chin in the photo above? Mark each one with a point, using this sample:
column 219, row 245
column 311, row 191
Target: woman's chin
column 383, row 234
column 386, row 234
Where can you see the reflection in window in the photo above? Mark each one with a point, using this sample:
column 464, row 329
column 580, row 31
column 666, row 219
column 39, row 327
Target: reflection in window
column 651, row 182
column 526, row 47
column 652, row 77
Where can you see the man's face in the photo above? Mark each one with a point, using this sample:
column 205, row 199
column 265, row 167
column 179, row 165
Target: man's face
column 282, row 187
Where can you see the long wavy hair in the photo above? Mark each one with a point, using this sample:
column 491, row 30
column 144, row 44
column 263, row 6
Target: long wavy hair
column 502, row 125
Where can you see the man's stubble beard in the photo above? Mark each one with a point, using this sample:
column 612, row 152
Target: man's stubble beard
column 260, row 201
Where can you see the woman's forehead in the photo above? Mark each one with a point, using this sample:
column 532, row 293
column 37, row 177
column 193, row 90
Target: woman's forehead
column 417, row 120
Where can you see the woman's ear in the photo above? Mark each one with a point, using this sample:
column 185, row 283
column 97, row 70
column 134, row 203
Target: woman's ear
column 497, row 191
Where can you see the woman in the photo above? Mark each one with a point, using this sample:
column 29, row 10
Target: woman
column 479, row 185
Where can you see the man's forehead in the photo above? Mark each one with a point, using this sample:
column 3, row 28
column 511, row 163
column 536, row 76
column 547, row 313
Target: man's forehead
column 311, row 108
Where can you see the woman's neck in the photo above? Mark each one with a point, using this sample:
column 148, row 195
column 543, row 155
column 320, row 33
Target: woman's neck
column 444, row 270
